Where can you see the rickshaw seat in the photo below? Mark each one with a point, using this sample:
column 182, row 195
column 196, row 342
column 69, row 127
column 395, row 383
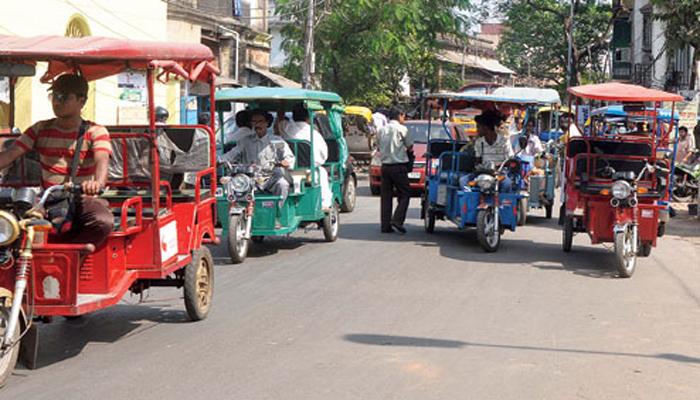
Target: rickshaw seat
column 333, row 151
column 302, row 153
column 578, row 146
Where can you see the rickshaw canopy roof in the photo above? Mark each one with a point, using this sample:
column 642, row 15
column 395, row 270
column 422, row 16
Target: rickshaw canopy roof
column 543, row 96
column 622, row 92
column 364, row 112
column 459, row 101
column 271, row 94
column 98, row 57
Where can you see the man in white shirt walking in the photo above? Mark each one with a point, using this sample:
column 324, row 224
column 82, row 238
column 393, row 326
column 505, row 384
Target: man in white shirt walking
column 394, row 145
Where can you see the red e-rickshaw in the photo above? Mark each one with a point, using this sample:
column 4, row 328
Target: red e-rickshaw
column 160, row 227
column 617, row 177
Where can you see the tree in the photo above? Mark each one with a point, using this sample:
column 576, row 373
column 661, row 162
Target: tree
column 364, row 48
column 682, row 18
column 535, row 41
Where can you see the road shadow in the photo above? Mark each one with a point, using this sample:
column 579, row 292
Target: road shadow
column 593, row 262
column 65, row 339
column 268, row 247
column 409, row 341
column 683, row 225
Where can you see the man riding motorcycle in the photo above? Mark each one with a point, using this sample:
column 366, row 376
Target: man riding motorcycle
column 269, row 152
column 55, row 140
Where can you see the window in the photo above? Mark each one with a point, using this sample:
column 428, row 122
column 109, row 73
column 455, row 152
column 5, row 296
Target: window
column 646, row 30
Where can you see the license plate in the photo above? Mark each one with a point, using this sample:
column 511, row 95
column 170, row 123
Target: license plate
column 414, row 175
column 268, row 204
column 647, row 214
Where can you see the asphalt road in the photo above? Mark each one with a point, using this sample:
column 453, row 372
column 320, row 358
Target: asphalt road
column 376, row 316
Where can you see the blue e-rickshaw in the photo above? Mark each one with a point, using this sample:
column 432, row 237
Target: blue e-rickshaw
column 482, row 202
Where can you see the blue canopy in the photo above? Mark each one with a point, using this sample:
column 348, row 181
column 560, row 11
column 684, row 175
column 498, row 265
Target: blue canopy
column 617, row 111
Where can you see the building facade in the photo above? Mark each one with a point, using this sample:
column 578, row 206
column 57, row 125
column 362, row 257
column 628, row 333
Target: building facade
column 126, row 19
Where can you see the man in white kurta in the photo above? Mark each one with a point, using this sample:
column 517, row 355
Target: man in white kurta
column 300, row 129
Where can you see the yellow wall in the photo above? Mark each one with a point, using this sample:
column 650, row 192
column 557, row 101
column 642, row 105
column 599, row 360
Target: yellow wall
column 132, row 19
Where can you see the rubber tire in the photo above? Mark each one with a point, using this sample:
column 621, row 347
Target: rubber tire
column 567, row 234
column 237, row 250
column 661, row 230
column 349, row 196
column 8, row 363
column 624, row 270
column 644, row 250
column 195, row 310
column 481, row 232
column 522, row 211
column 548, row 211
column 429, row 220
column 375, row 190
column 257, row 239
column 330, row 233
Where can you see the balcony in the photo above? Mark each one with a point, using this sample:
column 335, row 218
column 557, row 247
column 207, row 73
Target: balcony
column 642, row 74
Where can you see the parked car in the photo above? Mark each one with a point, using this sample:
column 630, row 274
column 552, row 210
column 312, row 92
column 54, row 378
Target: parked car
column 418, row 129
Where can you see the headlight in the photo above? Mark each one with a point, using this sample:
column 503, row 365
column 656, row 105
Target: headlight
column 621, row 190
column 9, row 228
column 240, row 183
column 485, row 182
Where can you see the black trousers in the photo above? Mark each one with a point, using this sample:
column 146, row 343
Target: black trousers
column 394, row 176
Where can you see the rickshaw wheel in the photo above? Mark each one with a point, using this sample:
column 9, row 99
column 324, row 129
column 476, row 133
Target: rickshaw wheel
column 548, row 211
column 567, row 234
column 626, row 259
column 199, row 284
column 644, row 250
column 331, row 224
column 522, row 211
column 349, row 196
column 484, row 223
column 237, row 245
column 9, row 359
column 429, row 218
column 257, row 239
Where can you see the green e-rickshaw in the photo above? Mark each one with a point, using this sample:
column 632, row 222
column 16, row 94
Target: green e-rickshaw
column 248, row 214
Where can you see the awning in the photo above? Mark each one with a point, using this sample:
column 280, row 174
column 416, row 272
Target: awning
column 472, row 61
column 277, row 79
column 614, row 91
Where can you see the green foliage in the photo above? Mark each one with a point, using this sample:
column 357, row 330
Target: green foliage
column 682, row 18
column 365, row 47
column 535, row 41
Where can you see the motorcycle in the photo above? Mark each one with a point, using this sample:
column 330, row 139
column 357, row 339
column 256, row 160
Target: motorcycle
column 239, row 186
column 22, row 219
column 627, row 242
column 686, row 179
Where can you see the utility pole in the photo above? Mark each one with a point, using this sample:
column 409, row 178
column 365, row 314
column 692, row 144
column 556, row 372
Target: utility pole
column 569, row 59
column 309, row 59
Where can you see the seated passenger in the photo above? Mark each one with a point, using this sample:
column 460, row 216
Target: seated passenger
column 490, row 148
column 273, row 156
column 243, row 127
column 300, row 129
column 531, row 141
column 55, row 140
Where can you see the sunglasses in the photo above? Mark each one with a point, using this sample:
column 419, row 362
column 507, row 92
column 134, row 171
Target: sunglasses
column 60, row 97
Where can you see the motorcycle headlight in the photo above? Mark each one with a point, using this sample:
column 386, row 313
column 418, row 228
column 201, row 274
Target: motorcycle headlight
column 485, row 182
column 9, row 228
column 240, row 183
column 621, row 190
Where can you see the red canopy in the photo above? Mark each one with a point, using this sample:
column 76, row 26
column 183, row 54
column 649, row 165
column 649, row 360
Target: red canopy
column 98, row 57
column 622, row 92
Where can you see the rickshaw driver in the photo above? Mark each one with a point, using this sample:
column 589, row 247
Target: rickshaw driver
column 272, row 154
column 490, row 147
column 54, row 140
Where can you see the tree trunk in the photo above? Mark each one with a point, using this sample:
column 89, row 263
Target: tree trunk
column 694, row 68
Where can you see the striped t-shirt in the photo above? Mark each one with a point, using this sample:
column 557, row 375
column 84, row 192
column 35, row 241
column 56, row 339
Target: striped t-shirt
column 56, row 148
